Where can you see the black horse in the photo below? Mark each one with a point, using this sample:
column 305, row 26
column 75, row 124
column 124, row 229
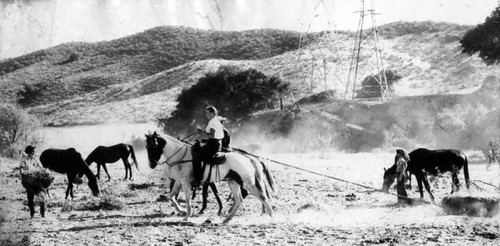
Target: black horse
column 423, row 161
column 102, row 155
column 70, row 162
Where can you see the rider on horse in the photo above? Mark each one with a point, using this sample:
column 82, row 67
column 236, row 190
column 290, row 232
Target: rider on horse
column 215, row 133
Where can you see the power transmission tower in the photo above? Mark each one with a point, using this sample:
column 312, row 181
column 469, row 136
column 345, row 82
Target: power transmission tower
column 321, row 52
column 356, row 56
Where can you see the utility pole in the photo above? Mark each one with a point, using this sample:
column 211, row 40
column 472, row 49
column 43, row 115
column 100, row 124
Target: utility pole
column 321, row 50
column 371, row 35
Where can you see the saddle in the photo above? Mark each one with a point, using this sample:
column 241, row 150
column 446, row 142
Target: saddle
column 217, row 159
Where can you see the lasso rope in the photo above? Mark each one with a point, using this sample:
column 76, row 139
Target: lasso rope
column 324, row 175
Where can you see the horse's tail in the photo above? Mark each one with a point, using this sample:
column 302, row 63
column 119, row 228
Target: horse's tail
column 466, row 171
column 269, row 177
column 132, row 153
column 260, row 183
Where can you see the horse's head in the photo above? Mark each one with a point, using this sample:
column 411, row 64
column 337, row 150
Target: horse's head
column 93, row 186
column 154, row 147
column 84, row 170
column 389, row 177
column 390, row 174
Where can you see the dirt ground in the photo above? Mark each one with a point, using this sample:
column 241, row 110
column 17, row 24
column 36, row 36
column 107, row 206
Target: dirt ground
column 309, row 210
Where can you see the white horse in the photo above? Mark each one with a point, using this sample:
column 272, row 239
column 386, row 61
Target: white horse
column 238, row 170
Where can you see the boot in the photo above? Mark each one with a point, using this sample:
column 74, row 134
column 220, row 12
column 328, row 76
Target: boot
column 197, row 173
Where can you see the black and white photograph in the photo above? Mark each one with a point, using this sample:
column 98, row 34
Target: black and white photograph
column 249, row 122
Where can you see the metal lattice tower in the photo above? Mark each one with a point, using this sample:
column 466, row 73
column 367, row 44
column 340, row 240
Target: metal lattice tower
column 361, row 40
column 325, row 58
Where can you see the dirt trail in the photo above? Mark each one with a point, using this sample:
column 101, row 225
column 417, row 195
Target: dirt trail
column 309, row 210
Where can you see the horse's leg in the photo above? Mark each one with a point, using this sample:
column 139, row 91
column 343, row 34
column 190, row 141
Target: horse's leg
column 172, row 196
column 187, row 192
column 31, row 202
column 106, row 170
column 172, row 182
column 216, row 194
column 236, row 191
column 98, row 170
column 204, row 195
column 262, row 198
column 127, row 167
column 419, row 178
column 427, row 187
column 69, row 190
column 456, row 183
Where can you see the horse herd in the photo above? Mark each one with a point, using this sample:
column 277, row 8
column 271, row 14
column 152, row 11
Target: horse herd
column 243, row 172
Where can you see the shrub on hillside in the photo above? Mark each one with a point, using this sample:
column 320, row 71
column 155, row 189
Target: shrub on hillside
column 463, row 126
column 235, row 92
column 370, row 86
column 16, row 128
column 30, row 94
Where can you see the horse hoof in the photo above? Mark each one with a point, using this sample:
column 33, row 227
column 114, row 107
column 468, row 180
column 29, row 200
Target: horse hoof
column 226, row 221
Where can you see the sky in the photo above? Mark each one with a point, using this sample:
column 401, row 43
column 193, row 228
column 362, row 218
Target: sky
column 30, row 25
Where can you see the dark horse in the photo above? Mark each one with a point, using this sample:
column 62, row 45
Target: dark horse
column 423, row 161
column 70, row 162
column 102, row 155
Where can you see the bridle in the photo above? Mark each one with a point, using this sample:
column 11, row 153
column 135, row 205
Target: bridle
column 185, row 147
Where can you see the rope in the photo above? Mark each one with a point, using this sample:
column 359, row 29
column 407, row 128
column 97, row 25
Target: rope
column 326, row 176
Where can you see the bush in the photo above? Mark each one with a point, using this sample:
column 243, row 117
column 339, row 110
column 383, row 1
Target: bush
column 31, row 94
column 370, row 86
column 17, row 127
column 235, row 92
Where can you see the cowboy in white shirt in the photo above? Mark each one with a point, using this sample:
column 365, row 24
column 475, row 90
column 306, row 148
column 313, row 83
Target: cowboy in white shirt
column 215, row 133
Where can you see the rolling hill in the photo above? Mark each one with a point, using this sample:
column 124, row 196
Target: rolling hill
column 137, row 78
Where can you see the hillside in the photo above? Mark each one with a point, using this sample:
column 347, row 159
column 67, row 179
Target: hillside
column 63, row 71
column 465, row 121
column 128, row 89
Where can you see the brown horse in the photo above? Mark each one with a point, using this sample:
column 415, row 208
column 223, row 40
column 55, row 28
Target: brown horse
column 102, row 155
column 70, row 162
column 423, row 161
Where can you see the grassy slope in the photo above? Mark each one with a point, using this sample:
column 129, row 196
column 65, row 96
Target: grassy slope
column 427, row 55
column 72, row 69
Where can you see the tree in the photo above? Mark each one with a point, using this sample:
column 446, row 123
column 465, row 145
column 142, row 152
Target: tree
column 370, row 86
column 16, row 126
column 484, row 39
column 235, row 92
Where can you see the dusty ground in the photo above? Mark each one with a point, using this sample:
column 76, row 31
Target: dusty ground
column 309, row 210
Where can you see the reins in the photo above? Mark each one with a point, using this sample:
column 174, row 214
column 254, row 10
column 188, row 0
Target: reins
column 186, row 143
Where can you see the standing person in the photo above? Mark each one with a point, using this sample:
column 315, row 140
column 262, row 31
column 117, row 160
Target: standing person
column 34, row 179
column 401, row 170
column 215, row 133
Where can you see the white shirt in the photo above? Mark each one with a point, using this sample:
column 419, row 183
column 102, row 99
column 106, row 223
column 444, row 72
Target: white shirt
column 401, row 167
column 215, row 124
